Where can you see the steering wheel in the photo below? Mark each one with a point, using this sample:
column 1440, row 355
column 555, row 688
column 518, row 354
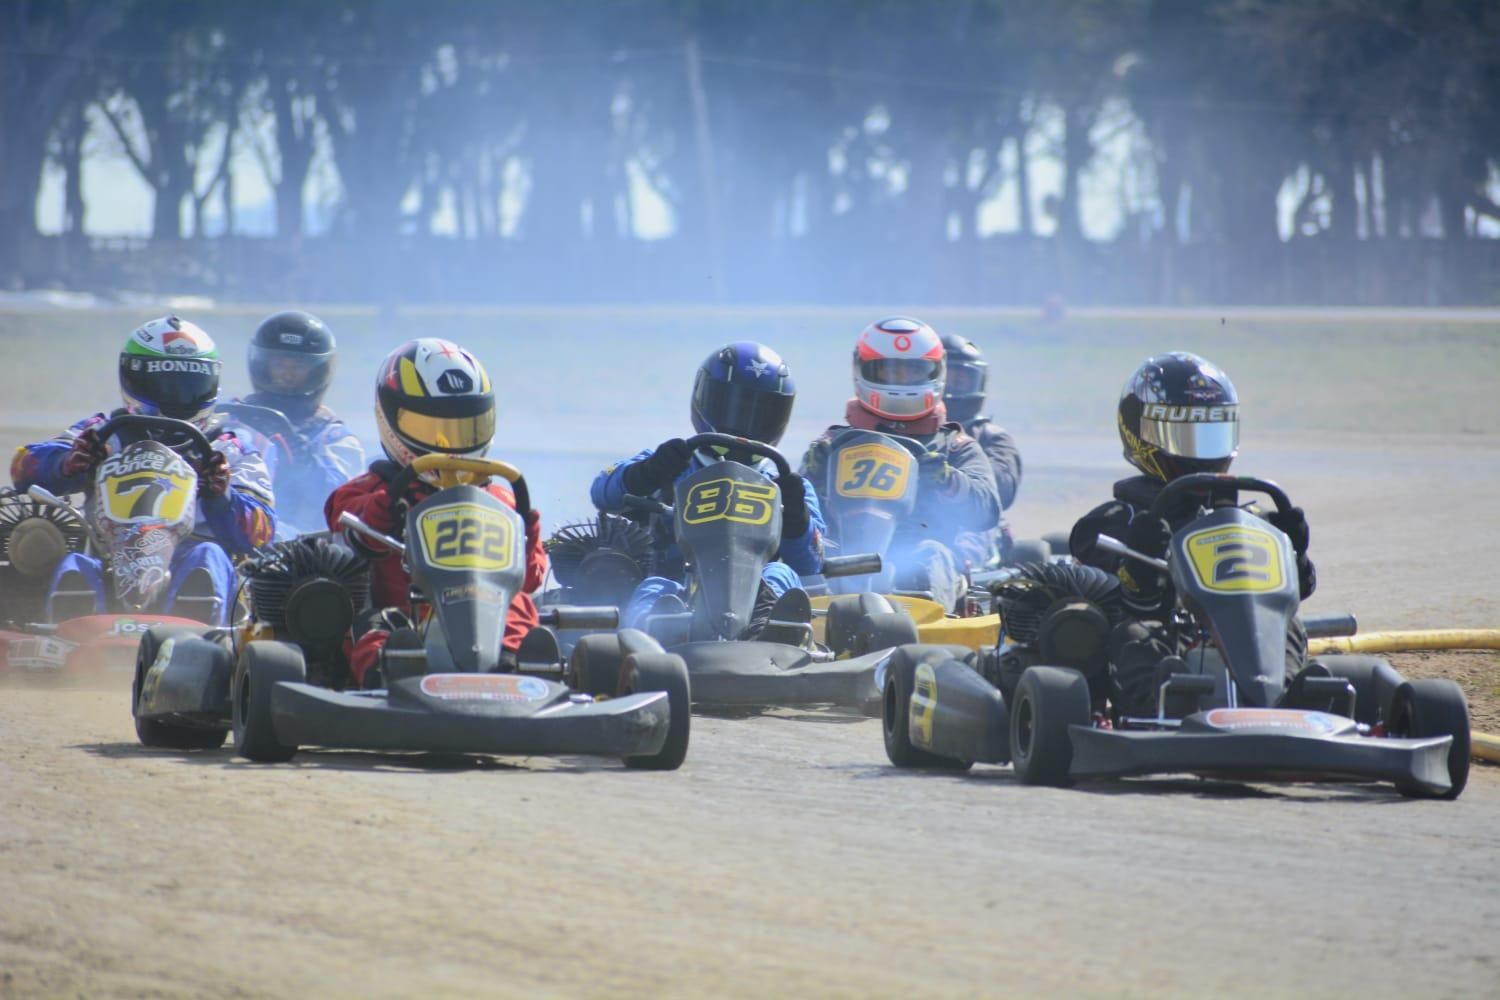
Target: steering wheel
column 1207, row 482
column 199, row 451
column 448, row 468
column 263, row 419
column 916, row 448
column 711, row 439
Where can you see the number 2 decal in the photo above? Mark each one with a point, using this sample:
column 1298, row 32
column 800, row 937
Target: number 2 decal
column 1236, row 558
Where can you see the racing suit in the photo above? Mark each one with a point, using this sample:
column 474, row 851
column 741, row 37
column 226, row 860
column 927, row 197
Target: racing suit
column 234, row 524
column 981, row 547
column 1141, row 642
column 367, row 498
column 957, row 494
column 324, row 456
column 797, row 556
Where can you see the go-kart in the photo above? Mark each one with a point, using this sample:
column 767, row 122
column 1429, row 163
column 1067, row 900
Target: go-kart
column 1225, row 708
column 278, row 678
column 139, row 506
column 727, row 525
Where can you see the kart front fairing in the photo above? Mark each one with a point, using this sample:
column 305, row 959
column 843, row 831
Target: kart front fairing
column 143, row 504
column 871, row 490
column 728, row 527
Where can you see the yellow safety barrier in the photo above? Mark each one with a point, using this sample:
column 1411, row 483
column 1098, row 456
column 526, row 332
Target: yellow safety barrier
column 1413, row 641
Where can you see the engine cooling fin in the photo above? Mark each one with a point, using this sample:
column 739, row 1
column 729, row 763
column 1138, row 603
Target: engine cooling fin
column 1025, row 596
column 571, row 547
column 278, row 569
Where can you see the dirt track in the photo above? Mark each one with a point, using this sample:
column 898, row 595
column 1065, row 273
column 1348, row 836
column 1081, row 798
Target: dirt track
column 786, row 856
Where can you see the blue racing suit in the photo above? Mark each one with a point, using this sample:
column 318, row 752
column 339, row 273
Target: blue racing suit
column 236, row 523
column 305, row 472
column 801, row 555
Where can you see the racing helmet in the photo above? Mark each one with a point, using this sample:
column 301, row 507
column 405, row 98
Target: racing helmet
column 744, row 389
column 291, row 362
column 170, row 368
column 963, row 391
column 899, row 369
column 433, row 396
column 1179, row 414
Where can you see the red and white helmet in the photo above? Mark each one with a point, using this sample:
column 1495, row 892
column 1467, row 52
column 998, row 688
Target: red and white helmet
column 899, row 369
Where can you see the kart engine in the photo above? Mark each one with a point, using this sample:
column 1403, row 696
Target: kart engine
column 34, row 537
column 602, row 561
column 1058, row 614
column 308, row 591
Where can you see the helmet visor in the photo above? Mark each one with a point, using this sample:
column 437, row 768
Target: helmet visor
column 902, row 371
column 453, row 434
column 289, row 373
column 743, row 410
column 966, row 378
column 1193, row 439
column 172, row 387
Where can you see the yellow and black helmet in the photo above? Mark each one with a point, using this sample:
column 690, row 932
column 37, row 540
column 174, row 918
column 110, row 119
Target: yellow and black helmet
column 433, row 396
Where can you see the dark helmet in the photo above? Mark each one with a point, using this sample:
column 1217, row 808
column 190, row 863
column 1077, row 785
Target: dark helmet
column 291, row 362
column 432, row 395
column 170, row 368
column 1179, row 414
column 744, row 389
column 963, row 392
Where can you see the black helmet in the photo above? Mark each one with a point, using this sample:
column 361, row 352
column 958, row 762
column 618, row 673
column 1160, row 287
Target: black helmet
column 963, row 392
column 1179, row 414
column 433, row 396
column 291, row 362
column 744, row 389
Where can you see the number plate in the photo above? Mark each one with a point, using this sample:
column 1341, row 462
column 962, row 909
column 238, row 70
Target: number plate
column 730, row 500
column 872, row 471
column 467, row 536
column 147, row 496
column 1236, row 558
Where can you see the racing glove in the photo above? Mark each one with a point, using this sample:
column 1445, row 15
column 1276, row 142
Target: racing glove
column 657, row 470
column 213, row 477
column 1144, row 586
column 933, row 468
column 1292, row 523
column 1149, row 536
column 88, row 451
column 794, row 519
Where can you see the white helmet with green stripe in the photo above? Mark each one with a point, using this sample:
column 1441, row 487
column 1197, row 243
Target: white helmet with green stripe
column 170, row 368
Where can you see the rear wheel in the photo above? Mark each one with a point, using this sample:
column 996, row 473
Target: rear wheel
column 263, row 666
column 1434, row 707
column 1048, row 700
column 1028, row 550
column 159, row 733
column 1057, row 543
column 662, row 672
column 900, row 680
column 884, row 630
column 594, row 667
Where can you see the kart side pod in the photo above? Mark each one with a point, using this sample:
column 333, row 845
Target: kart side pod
column 952, row 711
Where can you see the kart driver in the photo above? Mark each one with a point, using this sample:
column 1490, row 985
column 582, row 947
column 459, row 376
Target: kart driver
column 1198, row 433
column 430, row 396
column 963, row 397
column 291, row 361
column 169, row 367
column 899, row 377
column 746, row 390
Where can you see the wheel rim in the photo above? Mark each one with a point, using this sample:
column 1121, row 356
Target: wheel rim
column 890, row 709
column 1025, row 728
column 242, row 706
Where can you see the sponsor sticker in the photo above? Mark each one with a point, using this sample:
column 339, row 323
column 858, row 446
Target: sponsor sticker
column 923, row 706
column 484, row 687
column 1317, row 723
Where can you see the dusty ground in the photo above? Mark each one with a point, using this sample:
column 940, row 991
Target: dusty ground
column 787, row 857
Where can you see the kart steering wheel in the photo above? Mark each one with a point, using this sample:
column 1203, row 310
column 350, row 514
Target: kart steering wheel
column 448, row 467
column 712, row 439
column 1206, row 482
column 263, row 419
column 199, row 451
column 916, row 448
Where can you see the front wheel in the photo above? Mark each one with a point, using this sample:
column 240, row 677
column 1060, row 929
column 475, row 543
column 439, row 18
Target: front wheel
column 900, row 681
column 1435, row 707
column 594, row 667
column 263, row 666
column 667, row 672
column 1048, row 700
column 159, row 733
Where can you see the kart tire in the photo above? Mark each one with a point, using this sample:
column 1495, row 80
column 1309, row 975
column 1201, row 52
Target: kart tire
column 263, row 665
column 900, row 679
column 844, row 614
column 594, row 666
column 158, row 733
column 1360, row 669
column 662, row 672
column 884, row 630
column 1048, row 700
column 1057, row 543
column 1434, row 707
column 1028, row 550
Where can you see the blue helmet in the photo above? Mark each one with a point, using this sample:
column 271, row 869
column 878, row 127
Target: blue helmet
column 744, row 389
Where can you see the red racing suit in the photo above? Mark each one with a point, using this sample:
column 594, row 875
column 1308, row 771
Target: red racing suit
column 367, row 498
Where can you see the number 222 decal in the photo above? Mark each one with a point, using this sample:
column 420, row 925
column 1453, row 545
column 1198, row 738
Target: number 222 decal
column 1236, row 558
column 467, row 536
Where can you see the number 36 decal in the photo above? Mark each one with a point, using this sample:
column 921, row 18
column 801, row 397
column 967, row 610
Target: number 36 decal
column 1236, row 558
column 874, row 471
column 467, row 536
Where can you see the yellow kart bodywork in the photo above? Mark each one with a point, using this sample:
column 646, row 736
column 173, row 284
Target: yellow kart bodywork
column 933, row 625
